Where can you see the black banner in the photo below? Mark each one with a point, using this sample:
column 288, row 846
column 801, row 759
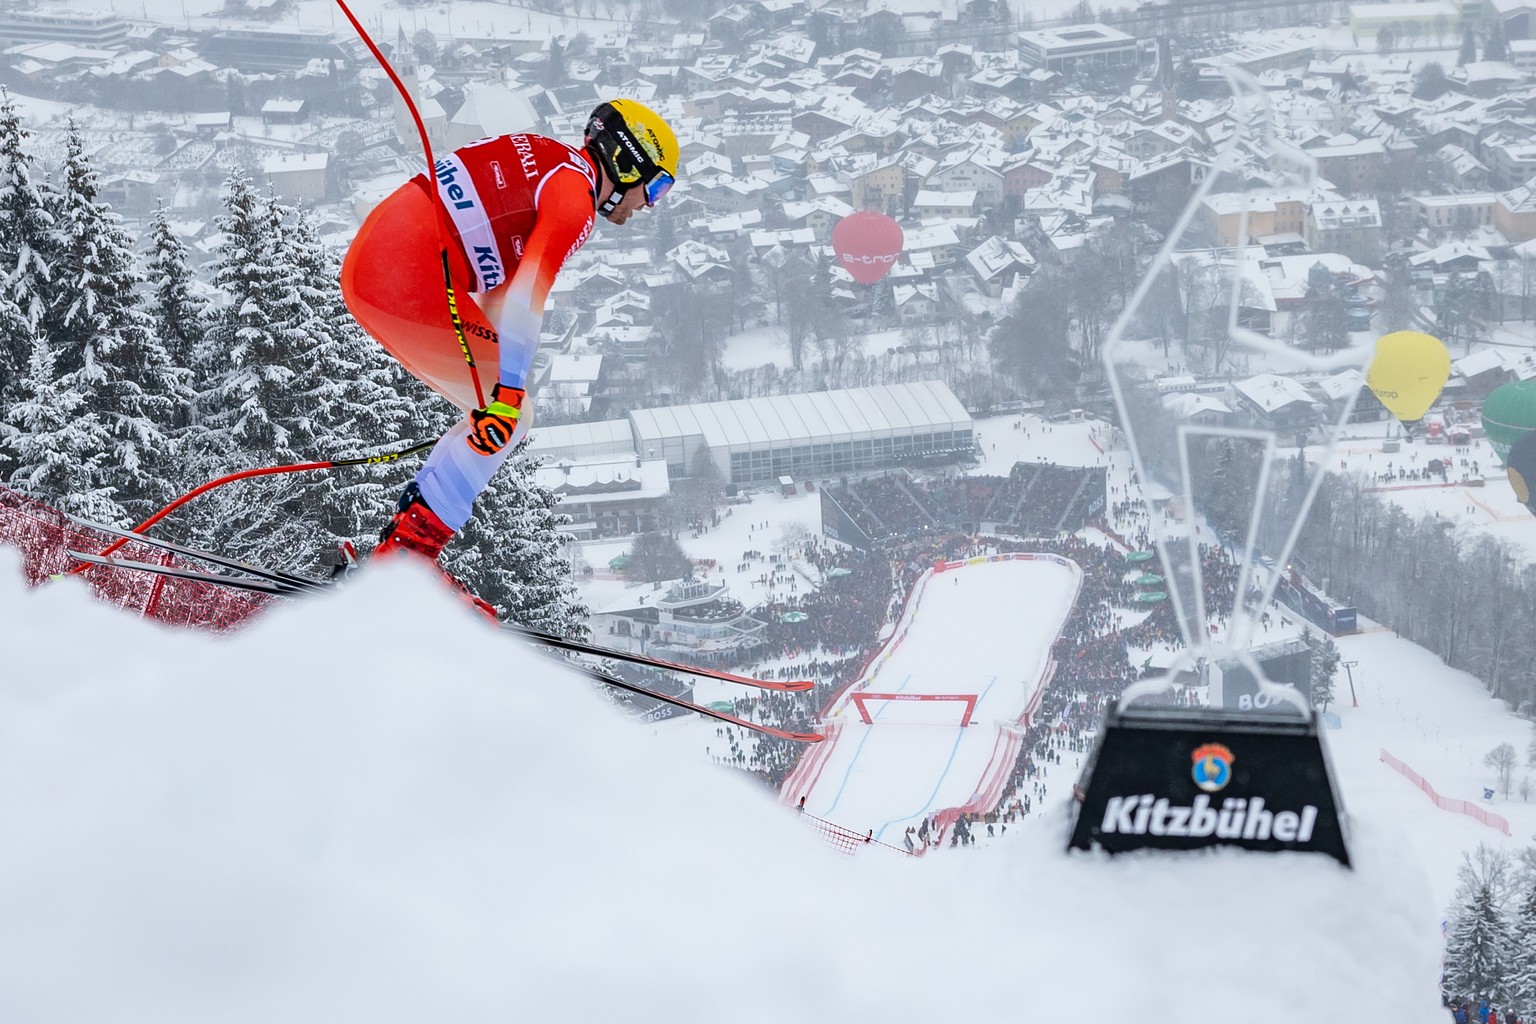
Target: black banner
column 648, row 709
column 1181, row 779
column 839, row 525
column 1313, row 605
column 1289, row 663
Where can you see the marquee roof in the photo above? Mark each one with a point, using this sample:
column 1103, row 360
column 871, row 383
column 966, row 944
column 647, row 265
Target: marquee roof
column 891, row 410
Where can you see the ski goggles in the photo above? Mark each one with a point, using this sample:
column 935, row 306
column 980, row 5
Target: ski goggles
column 657, row 187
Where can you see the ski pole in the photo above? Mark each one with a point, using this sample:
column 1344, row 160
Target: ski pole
column 246, row 474
column 437, row 200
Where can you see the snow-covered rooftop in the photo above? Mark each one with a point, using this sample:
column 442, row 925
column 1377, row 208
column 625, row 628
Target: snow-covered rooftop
column 887, row 410
column 1272, row 392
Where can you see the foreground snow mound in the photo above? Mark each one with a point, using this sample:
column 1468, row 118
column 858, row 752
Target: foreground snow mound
column 372, row 807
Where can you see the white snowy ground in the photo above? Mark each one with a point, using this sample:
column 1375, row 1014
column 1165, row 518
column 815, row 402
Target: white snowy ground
column 1489, row 507
column 984, row 630
column 371, row 807
column 1440, row 721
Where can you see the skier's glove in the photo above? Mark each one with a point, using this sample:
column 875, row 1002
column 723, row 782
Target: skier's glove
column 492, row 427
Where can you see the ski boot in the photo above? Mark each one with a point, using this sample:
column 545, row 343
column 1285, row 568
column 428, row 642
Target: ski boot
column 342, row 562
column 416, row 530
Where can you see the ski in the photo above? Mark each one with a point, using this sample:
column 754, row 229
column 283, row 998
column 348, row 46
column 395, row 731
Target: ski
column 578, row 647
column 262, row 586
column 280, row 589
column 177, row 572
column 700, row 709
column 287, row 584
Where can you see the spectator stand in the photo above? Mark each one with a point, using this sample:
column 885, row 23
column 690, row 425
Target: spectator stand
column 1035, row 499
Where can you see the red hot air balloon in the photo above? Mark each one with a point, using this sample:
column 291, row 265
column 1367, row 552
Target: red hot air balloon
column 867, row 244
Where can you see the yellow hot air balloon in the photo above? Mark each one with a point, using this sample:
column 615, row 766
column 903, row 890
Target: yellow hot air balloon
column 1408, row 372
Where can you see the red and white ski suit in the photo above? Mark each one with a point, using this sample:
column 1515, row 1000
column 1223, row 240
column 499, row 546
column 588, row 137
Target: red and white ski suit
column 512, row 209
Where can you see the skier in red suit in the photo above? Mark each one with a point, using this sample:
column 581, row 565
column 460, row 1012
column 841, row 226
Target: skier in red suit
column 513, row 209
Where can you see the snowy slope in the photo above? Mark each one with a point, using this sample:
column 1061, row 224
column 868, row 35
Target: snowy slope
column 887, row 776
column 371, row 807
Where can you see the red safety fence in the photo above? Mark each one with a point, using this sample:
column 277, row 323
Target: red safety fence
column 43, row 535
column 1466, row 807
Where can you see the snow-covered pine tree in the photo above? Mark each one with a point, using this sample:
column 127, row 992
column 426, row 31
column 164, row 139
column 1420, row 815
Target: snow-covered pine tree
column 250, row 413
column 178, row 312
column 1325, row 665
column 351, row 404
column 16, row 329
column 105, row 344
column 27, row 246
column 1480, row 946
column 1523, row 962
column 56, row 442
column 511, row 554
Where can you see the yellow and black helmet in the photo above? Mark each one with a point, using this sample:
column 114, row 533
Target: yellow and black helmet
column 634, row 147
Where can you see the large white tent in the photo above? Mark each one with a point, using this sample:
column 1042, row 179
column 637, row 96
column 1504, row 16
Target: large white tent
column 816, row 435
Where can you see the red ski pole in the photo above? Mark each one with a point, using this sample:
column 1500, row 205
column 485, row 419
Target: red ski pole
column 437, row 200
column 246, row 474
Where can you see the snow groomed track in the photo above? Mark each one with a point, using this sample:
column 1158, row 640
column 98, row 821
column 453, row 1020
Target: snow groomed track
column 983, row 626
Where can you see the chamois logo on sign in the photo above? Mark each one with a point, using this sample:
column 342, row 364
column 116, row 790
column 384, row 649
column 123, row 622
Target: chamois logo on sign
column 1213, row 767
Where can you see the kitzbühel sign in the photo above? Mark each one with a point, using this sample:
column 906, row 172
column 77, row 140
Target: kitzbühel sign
column 1173, row 778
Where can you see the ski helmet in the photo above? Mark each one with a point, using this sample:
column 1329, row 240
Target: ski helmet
column 635, row 148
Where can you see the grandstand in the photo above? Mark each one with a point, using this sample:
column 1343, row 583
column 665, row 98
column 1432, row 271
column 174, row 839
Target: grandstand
column 274, row 49
column 1034, row 500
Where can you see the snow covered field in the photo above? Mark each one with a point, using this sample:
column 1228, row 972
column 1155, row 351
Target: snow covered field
column 915, row 760
column 1439, row 721
column 428, row 820
column 332, row 817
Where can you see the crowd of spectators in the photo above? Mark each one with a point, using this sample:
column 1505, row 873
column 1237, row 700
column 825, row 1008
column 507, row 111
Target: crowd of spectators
column 1091, row 654
column 1468, row 1011
column 1034, row 499
column 858, row 593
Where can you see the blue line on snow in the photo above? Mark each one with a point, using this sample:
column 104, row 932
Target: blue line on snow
column 858, row 750
column 959, row 735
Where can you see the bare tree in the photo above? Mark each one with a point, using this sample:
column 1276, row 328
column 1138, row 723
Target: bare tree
column 792, row 537
column 1503, row 759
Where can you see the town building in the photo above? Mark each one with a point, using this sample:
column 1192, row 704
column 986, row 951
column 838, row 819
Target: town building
column 1074, row 48
column 299, row 175
column 608, row 496
column 97, row 29
column 1460, row 212
column 1276, row 403
column 1348, row 226
column 688, row 618
column 1514, row 214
